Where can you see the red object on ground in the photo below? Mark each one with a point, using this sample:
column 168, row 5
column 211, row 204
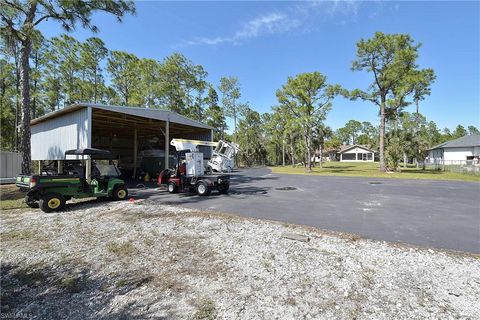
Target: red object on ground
column 131, row 200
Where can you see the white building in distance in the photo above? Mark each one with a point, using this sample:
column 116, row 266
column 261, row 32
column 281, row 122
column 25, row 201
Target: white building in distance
column 356, row 153
column 464, row 150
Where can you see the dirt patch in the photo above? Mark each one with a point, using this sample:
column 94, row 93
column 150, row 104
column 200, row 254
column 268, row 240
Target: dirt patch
column 126, row 260
column 10, row 192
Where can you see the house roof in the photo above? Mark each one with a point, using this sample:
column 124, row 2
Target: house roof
column 156, row 114
column 344, row 148
column 471, row 140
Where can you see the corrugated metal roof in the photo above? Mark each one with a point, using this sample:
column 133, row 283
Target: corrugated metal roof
column 471, row 140
column 156, row 114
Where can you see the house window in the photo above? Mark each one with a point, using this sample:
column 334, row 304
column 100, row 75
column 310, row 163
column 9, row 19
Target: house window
column 348, row 156
column 369, row 156
column 362, row 156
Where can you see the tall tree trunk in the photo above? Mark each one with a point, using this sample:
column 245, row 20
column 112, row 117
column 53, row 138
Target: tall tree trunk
column 26, row 48
column 382, row 136
column 235, row 161
column 320, row 151
column 235, row 127
column 35, row 85
column 95, row 87
column 17, row 95
column 283, row 152
column 25, row 89
column 309, row 156
column 404, row 159
column 417, row 137
column 293, row 155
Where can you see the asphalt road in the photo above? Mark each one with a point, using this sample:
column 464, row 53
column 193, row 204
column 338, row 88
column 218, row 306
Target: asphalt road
column 439, row 214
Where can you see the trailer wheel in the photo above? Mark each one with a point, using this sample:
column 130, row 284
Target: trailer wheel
column 203, row 189
column 31, row 202
column 119, row 192
column 223, row 189
column 172, row 187
column 52, row 202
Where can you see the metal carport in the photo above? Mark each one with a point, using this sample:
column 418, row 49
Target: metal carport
column 122, row 130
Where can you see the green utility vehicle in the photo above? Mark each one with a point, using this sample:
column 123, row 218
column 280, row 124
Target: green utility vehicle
column 51, row 191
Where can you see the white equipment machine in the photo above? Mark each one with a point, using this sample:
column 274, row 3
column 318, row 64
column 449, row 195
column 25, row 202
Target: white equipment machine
column 189, row 172
column 223, row 154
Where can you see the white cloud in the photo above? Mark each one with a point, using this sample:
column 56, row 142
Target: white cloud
column 267, row 24
column 300, row 18
column 272, row 23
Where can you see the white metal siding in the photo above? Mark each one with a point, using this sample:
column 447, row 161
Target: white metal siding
column 476, row 151
column 50, row 139
column 457, row 153
column 10, row 164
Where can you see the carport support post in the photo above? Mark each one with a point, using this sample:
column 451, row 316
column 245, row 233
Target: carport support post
column 135, row 154
column 59, row 166
column 167, row 142
column 88, row 169
column 39, row 167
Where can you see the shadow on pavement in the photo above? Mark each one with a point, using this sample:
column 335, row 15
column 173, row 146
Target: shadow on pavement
column 243, row 186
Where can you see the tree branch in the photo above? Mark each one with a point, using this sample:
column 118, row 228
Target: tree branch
column 11, row 27
column 46, row 17
column 14, row 5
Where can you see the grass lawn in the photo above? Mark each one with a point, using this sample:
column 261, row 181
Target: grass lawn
column 352, row 169
column 11, row 197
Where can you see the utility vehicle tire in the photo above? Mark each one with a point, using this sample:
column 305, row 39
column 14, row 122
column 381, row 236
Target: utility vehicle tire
column 51, row 202
column 223, row 189
column 203, row 189
column 172, row 187
column 119, row 193
column 31, row 202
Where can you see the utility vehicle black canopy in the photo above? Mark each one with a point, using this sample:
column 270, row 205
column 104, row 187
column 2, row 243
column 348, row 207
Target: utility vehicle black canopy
column 94, row 153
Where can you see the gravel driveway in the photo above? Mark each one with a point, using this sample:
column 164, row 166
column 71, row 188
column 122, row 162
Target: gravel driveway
column 439, row 214
column 122, row 260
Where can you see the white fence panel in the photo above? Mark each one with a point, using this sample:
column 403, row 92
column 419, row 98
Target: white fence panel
column 10, row 164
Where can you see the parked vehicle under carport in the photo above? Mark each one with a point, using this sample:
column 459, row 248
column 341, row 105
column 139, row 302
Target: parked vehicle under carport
column 51, row 191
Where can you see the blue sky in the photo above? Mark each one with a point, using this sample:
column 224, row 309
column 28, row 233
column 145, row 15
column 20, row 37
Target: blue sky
column 262, row 43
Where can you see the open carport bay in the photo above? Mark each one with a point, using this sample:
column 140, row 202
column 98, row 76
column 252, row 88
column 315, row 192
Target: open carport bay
column 441, row 214
column 138, row 138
